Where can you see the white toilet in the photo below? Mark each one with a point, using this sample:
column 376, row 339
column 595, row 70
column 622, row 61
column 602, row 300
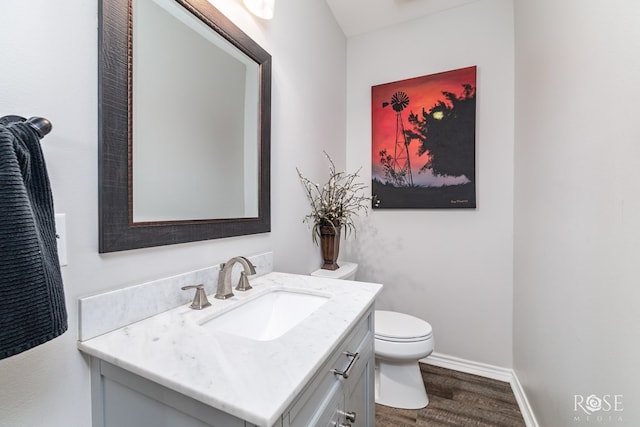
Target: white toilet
column 400, row 341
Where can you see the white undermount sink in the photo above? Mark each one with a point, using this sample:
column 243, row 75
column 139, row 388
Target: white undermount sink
column 268, row 316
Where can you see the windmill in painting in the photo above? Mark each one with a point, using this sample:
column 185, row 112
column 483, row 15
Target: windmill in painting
column 399, row 165
column 423, row 147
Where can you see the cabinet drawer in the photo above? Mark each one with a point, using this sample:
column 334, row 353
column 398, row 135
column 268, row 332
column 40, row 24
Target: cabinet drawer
column 319, row 394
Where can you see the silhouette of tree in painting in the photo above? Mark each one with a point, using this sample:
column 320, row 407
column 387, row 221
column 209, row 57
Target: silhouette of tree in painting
column 446, row 134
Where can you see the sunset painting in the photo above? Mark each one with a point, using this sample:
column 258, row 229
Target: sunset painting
column 423, row 141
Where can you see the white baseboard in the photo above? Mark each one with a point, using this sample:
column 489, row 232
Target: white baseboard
column 470, row 367
column 487, row 371
column 523, row 402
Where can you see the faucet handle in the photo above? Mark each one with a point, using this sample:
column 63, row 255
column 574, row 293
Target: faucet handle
column 243, row 283
column 200, row 300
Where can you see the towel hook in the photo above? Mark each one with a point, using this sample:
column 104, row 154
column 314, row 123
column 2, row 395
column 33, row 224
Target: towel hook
column 40, row 125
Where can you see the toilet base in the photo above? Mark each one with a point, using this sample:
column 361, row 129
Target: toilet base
column 400, row 385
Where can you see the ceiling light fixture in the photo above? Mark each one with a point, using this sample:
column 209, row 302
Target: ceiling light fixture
column 261, row 8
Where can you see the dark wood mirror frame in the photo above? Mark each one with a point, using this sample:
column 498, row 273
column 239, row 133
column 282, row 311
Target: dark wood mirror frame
column 117, row 230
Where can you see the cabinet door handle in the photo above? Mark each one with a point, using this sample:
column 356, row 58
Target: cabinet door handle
column 345, row 374
column 349, row 416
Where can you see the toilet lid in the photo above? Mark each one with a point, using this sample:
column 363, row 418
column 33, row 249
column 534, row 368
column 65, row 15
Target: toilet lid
column 393, row 326
column 346, row 269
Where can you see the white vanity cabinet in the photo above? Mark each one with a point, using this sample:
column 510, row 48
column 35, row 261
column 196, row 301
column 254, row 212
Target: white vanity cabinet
column 339, row 393
column 342, row 389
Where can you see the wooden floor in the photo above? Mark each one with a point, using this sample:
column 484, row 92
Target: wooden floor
column 457, row 399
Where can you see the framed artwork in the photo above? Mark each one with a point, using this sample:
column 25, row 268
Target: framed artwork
column 423, row 141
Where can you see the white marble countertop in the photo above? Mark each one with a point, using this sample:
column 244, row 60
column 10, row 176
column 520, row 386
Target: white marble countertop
column 252, row 380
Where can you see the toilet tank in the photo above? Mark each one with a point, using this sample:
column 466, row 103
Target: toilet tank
column 347, row 271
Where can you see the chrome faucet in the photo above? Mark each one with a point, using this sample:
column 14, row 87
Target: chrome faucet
column 224, row 277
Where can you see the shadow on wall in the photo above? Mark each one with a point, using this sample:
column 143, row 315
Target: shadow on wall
column 367, row 248
column 370, row 249
column 377, row 254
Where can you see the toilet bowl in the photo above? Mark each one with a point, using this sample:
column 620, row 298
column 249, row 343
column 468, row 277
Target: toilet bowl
column 400, row 340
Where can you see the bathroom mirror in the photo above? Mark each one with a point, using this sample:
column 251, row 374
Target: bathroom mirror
column 184, row 125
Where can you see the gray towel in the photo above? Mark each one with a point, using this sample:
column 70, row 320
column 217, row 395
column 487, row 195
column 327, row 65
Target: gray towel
column 32, row 306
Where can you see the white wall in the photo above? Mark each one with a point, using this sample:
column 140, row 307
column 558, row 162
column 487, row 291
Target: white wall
column 454, row 268
column 577, row 227
column 49, row 68
column 309, row 112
